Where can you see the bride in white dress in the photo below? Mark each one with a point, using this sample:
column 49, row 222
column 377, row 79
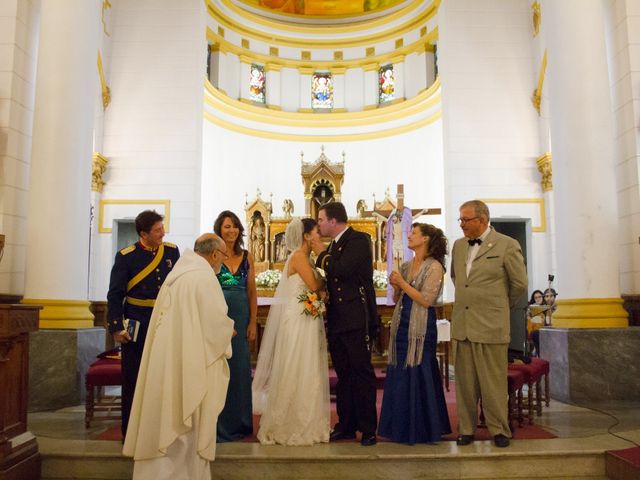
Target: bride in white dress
column 291, row 383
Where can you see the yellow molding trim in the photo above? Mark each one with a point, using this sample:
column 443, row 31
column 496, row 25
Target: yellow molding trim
column 351, row 28
column 418, row 46
column 306, row 70
column 414, row 23
column 68, row 314
column 246, row 101
column 274, row 107
column 403, row 109
column 354, row 137
column 370, row 67
column 305, row 110
column 102, row 203
column 540, row 201
column 590, row 313
column 272, row 67
column 338, row 70
column 370, row 107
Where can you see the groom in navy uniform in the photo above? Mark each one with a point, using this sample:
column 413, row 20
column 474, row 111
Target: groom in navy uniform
column 351, row 320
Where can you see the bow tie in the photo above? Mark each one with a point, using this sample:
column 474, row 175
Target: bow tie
column 475, row 241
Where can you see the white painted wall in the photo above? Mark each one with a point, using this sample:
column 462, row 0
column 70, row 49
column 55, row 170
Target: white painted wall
column 153, row 127
column 19, row 25
column 490, row 127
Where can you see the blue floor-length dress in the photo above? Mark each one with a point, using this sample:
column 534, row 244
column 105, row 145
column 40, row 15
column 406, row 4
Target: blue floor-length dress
column 236, row 419
column 413, row 406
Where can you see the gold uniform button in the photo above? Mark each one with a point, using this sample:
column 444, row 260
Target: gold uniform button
column 339, row 289
column 157, row 269
column 335, row 280
column 340, row 299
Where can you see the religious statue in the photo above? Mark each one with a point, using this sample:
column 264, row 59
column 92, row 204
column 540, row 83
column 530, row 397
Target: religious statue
column 257, row 239
column 287, row 208
column 361, row 208
column 322, row 194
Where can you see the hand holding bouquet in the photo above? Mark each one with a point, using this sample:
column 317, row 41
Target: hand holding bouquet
column 312, row 305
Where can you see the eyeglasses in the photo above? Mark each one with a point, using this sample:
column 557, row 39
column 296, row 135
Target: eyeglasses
column 224, row 254
column 462, row 221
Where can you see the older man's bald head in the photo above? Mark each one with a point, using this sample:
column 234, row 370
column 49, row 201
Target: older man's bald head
column 212, row 248
column 207, row 243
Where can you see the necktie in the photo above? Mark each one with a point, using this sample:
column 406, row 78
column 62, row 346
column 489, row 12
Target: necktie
column 331, row 245
column 475, row 241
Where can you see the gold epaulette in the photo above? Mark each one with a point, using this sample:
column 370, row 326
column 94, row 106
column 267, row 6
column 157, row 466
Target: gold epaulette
column 172, row 245
column 128, row 249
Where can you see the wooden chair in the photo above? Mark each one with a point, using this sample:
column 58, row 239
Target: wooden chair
column 102, row 373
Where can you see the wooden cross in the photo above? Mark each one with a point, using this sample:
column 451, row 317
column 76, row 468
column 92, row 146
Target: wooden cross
column 415, row 212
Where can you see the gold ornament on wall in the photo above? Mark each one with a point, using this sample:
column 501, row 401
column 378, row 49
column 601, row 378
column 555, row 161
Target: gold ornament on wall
column 544, row 167
column 105, row 6
column 536, row 98
column 98, row 167
column 536, row 17
column 106, row 91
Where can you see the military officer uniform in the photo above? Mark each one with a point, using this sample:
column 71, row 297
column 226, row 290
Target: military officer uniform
column 136, row 277
column 351, row 318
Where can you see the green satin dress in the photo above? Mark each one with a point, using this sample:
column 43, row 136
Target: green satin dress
column 236, row 419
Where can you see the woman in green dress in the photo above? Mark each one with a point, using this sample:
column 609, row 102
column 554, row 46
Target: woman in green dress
column 237, row 278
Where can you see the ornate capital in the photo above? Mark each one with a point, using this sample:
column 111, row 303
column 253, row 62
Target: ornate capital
column 544, row 167
column 536, row 17
column 99, row 165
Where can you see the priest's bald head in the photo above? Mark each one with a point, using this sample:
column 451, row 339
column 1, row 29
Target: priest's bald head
column 212, row 248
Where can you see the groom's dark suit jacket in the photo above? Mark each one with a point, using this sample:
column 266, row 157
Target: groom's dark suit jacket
column 349, row 266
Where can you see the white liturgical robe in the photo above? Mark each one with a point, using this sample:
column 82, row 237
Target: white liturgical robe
column 183, row 378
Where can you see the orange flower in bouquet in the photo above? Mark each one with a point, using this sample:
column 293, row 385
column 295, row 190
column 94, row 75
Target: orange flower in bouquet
column 312, row 305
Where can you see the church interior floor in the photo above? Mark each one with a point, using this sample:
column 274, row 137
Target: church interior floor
column 580, row 430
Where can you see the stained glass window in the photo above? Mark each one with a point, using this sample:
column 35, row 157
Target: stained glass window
column 387, row 83
column 322, row 91
column 257, row 84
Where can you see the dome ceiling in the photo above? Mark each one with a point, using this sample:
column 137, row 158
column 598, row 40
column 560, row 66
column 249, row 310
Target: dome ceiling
column 322, row 8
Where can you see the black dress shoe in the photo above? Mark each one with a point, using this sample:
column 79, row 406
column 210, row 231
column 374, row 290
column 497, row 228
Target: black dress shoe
column 340, row 435
column 501, row 441
column 464, row 440
column 368, row 440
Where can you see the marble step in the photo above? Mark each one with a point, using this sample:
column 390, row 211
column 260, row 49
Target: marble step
column 540, row 459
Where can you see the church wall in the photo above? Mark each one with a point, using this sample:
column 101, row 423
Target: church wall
column 491, row 136
column 623, row 35
column 152, row 129
column 19, row 22
column 235, row 164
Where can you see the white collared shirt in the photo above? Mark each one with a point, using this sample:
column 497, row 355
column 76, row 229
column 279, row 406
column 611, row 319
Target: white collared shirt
column 473, row 249
column 337, row 237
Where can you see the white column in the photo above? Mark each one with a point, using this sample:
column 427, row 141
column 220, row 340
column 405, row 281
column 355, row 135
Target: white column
column 60, row 179
column 273, row 86
column 398, row 73
column 583, row 168
column 245, row 77
column 371, row 86
column 305, row 89
column 337, row 74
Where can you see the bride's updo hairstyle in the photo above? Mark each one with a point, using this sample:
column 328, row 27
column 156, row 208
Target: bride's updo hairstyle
column 294, row 234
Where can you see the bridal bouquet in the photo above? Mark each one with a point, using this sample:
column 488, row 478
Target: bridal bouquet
column 313, row 306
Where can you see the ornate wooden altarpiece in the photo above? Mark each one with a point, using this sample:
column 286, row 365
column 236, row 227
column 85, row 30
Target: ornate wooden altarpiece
column 322, row 181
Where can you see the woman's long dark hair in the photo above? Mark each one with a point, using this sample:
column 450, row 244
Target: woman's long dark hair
column 238, row 246
column 438, row 244
column 532, row 300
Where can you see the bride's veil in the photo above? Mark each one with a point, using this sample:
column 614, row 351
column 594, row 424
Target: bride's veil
column 293, row 238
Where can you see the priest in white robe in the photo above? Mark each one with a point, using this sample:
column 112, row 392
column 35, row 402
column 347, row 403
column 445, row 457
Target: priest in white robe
column 182, row 384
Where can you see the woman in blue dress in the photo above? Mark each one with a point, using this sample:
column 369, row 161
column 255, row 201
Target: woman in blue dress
column 238, row 283
column 413, row 405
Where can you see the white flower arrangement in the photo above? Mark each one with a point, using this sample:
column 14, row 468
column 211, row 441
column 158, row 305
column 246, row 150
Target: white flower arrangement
column 268, row 279
column 380, row 279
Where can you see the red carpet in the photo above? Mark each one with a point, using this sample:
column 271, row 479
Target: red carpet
column 528, row 432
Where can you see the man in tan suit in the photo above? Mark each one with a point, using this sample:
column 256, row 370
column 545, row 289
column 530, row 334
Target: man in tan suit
column 489, row 274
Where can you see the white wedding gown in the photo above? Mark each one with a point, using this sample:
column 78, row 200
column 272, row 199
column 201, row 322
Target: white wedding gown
column 291, row 384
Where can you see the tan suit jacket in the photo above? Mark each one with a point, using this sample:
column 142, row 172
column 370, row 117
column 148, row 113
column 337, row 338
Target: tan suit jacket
column 497, row 280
